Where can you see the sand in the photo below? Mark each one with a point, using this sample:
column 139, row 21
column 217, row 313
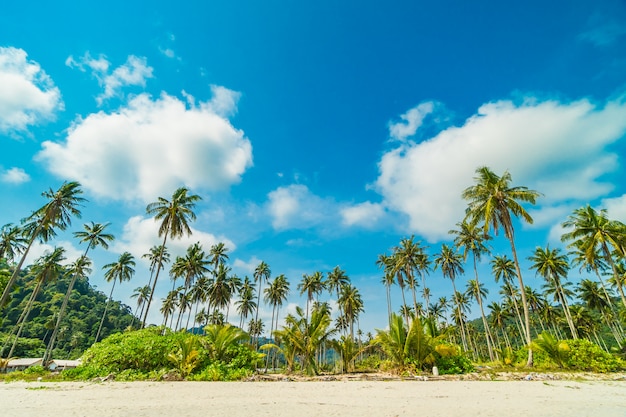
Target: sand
column 295, row 399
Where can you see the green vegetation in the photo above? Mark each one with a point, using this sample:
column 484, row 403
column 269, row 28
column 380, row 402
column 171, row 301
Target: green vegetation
column 49, row 310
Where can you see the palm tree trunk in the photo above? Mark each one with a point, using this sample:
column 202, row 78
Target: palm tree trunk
column 529, row 362
column 105, row 311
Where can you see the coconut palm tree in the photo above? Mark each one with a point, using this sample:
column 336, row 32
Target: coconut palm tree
column 335, row 279
column 220, row 292
column 261, row 273
column 122, row 270
column 451, row 265
column 553, row 267
column 246, row 304
column 386, row 262
column 407, row 257
column 470, row 238
column 479, row 292
column 94, row 235
column 275, row 295
column 493, row 202
column 169, row 305
column 595, row 299
column 56, row 214
column 141, row 294
column 218, row 254
column 175, row 216
column 311, row 285
column 46, row 269
column 594, row 234
column 351, row 305
column 79, row 269
column 157, row 254
column 12, row 242
column 191, row 266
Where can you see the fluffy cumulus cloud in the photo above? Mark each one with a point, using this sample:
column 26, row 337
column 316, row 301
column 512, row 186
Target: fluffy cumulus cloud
column 140, row 234
column 15, row 176
column 133, row 72
column 296, row 207
column 365, row 214
column 152, row 146
column 28, row 94
column 557, row 148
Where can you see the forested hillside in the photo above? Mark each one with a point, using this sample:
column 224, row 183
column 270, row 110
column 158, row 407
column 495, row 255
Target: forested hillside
column 78, row 327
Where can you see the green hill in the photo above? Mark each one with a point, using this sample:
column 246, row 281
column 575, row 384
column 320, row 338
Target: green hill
column 78, row 328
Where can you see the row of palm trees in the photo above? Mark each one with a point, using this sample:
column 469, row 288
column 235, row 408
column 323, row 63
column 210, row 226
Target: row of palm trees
column 206, row 277
column 597, row 245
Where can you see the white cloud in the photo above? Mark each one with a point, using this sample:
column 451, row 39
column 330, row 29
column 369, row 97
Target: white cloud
column 411, row 121
column 140, row 234
column 150, row 147
column 40, row 249
column 365, row 214
column 133, row 72
column 616, row 208
column 556, row 148
column 28, row 95
column 15, row 176
column 246, row 267
column 295, row 207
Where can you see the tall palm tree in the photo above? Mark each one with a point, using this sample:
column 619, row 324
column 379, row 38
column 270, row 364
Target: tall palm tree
column 386, row 262
column 275, row 295
column 351, row 305
column 122, row 270
column 141, row 294
column 56, row 214
column 12, row 242
column 479, row 292
column 311, row 285
column 175, row 216
column 218, row 254
column 493, row 202
column 451, row 265
column 503, row 269
column 220, row 292
column 407, row 257
column 169, row 306
column 79, row 269
column 471, row 239
column 595, row 299
column 553, row 267
column 245, row 305
column 594, row 234
column 155, row 254
column 192, row 266
column 46, row 269
column 261, row 273
column 94, row 235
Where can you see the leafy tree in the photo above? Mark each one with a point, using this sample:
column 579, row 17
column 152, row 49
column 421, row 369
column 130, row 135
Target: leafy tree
column 451, row 266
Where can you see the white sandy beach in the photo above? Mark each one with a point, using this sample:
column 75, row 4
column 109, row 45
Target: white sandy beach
column 336, row 398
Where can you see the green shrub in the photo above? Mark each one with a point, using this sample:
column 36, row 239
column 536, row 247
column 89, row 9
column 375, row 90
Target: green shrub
column 587, row 356
column 457, row 364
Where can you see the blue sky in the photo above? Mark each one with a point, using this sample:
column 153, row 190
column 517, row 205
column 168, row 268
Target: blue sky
column 317, row 133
